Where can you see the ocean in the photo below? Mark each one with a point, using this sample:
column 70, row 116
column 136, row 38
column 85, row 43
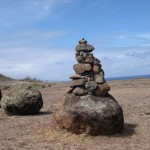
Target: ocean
column 127, row 77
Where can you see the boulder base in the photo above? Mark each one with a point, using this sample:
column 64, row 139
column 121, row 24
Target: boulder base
column 21, row 100
column 90, row 114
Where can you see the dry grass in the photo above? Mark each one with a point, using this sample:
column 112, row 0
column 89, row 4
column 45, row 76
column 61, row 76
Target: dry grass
column 40, row 132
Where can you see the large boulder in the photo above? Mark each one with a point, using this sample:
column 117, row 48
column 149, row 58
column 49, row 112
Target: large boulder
column 22, row 100
column 89, row 114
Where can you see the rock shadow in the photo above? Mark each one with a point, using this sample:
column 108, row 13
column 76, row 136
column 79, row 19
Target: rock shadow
column 44, row 113
column 128, row 130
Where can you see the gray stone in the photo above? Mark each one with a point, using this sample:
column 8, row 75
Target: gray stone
column 102, row 90
column 89, row 59
column 96, row 61
column 99, row 78
column 76, row 76
column 77, row 82
column 89, row 114
column 80, row 91
column 85, row 55
column 79, row 59
column 84, row 47
column 22, row 100
column 96, row 69
column 81, row 68
column 69, row 90
column 81, row 53
column 91, row 86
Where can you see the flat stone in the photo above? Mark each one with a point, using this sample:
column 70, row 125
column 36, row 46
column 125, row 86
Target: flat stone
column 84, row 47
column 85, row 55
column 81, row 68
column 78, row 82
column 76, row 76
column 99, row 78
column 102, row 90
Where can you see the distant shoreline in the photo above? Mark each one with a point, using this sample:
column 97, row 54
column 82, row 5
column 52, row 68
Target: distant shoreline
column 127, row 77
column 116, row 78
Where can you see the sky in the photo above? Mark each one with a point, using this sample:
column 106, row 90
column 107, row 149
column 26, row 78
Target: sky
column 38, row 37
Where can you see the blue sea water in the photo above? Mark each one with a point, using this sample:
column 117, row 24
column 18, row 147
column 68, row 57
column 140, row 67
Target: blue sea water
column 127, row 77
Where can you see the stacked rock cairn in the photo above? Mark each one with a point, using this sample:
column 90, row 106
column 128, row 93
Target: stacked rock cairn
column 87, row 107
column 89, row 77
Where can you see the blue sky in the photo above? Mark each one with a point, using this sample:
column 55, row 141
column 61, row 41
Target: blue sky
column 38, row 37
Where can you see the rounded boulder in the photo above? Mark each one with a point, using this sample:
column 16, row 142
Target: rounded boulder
column 21, row 100
column 89, row 114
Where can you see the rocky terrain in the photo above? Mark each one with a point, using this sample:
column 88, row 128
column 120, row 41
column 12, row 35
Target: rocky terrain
column 40, row 131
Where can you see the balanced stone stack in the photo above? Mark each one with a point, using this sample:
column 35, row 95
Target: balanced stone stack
column 89, row 77
column 87, row 107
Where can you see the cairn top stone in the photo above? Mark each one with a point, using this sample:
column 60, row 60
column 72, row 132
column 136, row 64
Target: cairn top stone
column 83, row 41
column 83, row 46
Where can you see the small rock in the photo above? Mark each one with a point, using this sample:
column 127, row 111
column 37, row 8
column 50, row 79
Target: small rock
column 76, row 76
column 89, row 59
column 69, row 90
column 80, row 91
column 99, row 78
column 96, row 69
column 96, row 61
column 102, row 90
column 80, row 59
column 85, row 55
column 91, row 86
column 84, row 47
column 83, row 41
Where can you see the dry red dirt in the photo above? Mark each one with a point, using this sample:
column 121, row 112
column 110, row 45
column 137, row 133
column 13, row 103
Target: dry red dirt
column 39, row 132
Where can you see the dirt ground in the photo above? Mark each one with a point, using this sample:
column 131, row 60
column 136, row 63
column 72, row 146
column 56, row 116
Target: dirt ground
column 40, row 132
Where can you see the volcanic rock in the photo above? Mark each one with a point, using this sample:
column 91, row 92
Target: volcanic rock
column 84, row 47
column 88, row 107
column 102, row 90
column 76, row 76
column 79, row 91
column 99, row 78
column 96, row 69
column 91, row 86
column 89, row 114
column 78, row 82
column 21, row 100
column 80, row 59
column 81, row 68
column 89, row 59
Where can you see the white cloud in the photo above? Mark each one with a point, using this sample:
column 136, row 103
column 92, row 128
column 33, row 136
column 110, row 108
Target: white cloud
column 24, row 11
column 125, row 61
column 44, row 64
